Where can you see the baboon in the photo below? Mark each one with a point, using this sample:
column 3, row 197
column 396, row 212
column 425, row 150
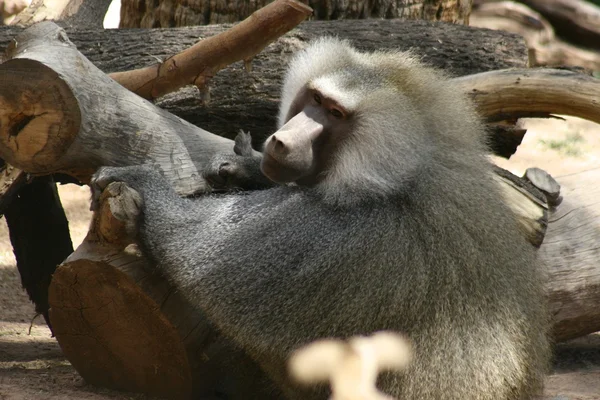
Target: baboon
column 387, row 217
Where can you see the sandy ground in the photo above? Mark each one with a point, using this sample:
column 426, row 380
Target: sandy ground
column 33, row 367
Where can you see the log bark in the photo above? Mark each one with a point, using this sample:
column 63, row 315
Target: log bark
column 34, row 113
column 36, row 220
column 177, row 13
column 570, row 254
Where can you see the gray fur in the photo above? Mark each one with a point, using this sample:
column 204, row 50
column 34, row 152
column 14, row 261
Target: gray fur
column 406, row 232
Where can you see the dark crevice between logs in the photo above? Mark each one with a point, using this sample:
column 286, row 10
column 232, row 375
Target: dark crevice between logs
column 39, row 234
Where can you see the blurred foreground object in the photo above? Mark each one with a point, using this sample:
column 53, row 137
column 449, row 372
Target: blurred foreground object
column 351, row 366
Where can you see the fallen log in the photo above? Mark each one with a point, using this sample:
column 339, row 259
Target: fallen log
column 571, row 256
column 55, row 98
column 248, row 100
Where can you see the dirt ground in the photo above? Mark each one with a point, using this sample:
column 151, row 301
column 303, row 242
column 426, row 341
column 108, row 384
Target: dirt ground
column 33, row 367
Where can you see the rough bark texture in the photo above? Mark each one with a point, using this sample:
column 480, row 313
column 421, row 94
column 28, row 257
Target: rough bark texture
column 177, row 13
column 248, row 100
column 570, row 253
column 199, row 63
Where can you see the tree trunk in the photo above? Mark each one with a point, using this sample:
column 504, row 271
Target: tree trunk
column 177, row 13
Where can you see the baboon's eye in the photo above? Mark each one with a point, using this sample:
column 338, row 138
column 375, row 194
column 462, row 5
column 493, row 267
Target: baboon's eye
column 317, row 98
column 336, row 113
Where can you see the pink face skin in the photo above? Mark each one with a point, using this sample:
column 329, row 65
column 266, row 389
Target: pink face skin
column 298, row 151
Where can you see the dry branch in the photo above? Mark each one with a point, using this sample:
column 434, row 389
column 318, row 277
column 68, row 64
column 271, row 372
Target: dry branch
column 198, row 64
column 516, row 93
column 576, row 20
column 545, row 48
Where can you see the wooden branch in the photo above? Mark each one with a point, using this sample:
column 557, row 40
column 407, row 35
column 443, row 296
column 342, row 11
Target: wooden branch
column 510, row 94
column 576, row 20
column 544, row 48
column 198, row 64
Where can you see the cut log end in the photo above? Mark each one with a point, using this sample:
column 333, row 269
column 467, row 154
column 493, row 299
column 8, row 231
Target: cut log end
column 89, row 302
column 38, row 122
